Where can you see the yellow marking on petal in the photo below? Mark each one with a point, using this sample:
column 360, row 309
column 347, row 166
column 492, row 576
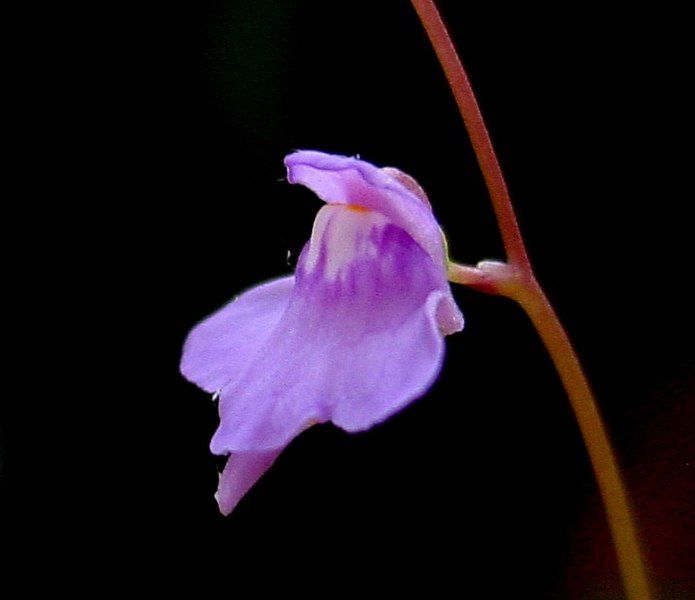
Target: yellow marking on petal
column 357, row 208
column 353, row 207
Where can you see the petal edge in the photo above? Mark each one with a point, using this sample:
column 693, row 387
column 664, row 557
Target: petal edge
column 218, row 349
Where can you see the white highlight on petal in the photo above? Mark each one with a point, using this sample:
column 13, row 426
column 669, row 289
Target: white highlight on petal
column 341, row 233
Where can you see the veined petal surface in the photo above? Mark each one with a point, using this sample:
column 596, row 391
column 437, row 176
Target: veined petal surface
column 360, row 338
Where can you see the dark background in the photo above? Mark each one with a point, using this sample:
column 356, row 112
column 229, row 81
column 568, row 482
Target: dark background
column 144, row 188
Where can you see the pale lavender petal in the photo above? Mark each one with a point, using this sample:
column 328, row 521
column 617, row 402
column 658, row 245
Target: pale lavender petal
column 220, row 347
column 242, row 470
column 347, row 180
column 362, row 336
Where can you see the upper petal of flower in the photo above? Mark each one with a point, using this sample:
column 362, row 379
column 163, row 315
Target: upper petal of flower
column 347, row 180
column 361, row 337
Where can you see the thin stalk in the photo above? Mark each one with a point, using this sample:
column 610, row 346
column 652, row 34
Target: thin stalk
column 515, row 279
column 605, row 466
column 477, row 131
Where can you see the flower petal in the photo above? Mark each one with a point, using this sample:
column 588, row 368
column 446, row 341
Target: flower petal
column 347, row 180
column 359, row 340
column 220, row 347
column 240, row 473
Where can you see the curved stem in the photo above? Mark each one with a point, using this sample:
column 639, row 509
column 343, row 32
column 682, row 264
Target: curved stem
column 477, row 131
column 543, row 316
column 505, row 280
column 515, row 279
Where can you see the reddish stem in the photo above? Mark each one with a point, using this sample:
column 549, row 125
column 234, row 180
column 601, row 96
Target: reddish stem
column 515, row 279
column 477, row 131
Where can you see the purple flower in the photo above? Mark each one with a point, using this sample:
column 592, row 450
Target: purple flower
column 352, row 337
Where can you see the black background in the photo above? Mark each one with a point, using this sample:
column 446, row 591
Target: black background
column 145, row 187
